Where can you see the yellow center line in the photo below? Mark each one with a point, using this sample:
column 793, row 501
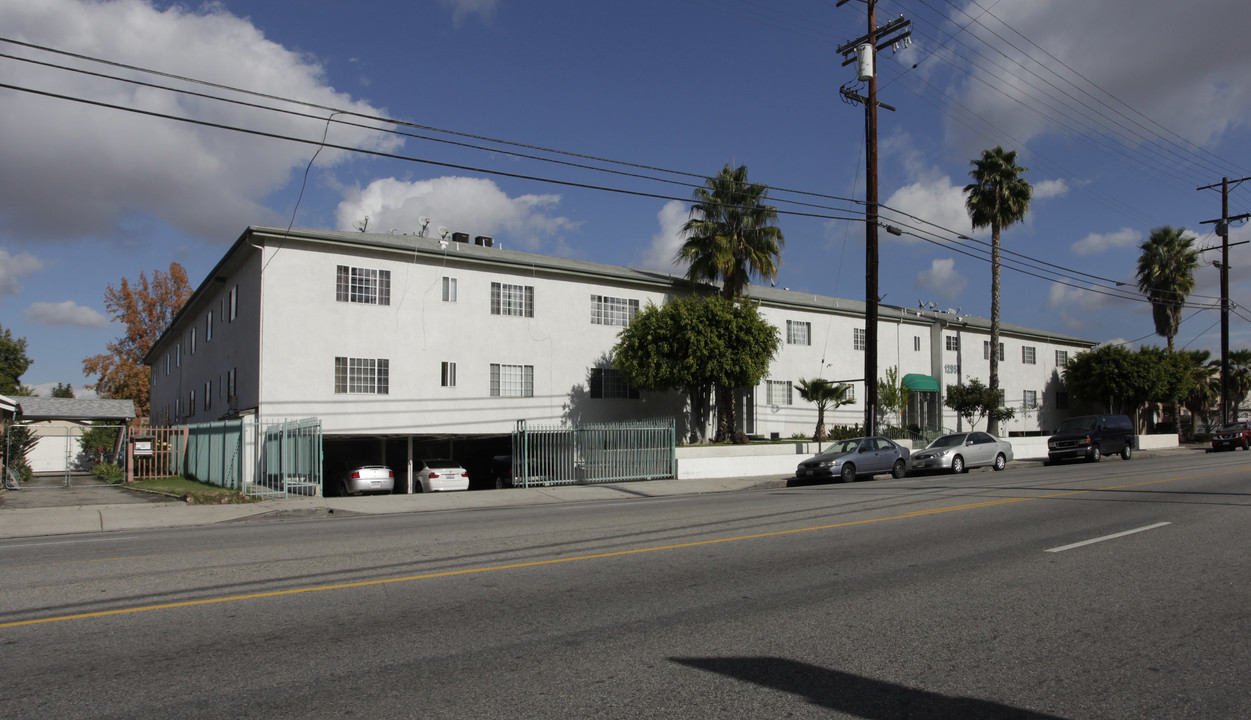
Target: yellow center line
column 596, row 556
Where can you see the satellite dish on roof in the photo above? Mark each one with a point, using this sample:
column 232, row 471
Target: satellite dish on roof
column 425, row 223
column 443, row 232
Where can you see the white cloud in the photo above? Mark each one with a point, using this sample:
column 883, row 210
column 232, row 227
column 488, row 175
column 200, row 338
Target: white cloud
column 1050, row 189
column 937, row 201
column 84, row 170
column 942, row 279
column 64, row 313
column 659, row 255
column 15, row 267
column 1198, row 96
column 1097, row 243
column 471, row 205
column 462, row 9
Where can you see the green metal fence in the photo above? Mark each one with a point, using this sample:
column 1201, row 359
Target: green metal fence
column 265, row 458
column 594, row 453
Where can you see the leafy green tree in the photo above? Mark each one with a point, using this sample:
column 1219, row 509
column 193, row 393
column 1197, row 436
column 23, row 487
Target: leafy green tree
column 16, row 441
column 63, row 391
column 13, row 362
column 997, row 198
column 730, row 235
column 825, row 394
column 1239, row 380
column 146, row 309
column 976, row 401
column 693, row 344
column 1166, row 268
column 892, row 396
column 1122, row 381
column 1205, row 386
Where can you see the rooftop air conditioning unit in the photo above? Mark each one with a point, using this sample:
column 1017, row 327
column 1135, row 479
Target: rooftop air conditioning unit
column 460, row 237
column 484, row 241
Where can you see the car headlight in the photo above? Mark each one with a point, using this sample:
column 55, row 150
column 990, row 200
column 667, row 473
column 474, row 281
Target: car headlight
column 828, row 463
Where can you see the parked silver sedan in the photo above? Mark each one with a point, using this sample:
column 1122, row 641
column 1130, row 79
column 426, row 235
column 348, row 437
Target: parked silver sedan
column 960, row 451
column 858, row 457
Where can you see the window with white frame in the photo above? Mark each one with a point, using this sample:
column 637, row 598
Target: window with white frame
column 449, row 289
column 233, row 304
column 208, row 327
column 986, row 350
column 609, row 383
column 857, row 339
column 1030, row 399
column 1062, row 358
column 1028, row 355
column 513, row 300
column 447, row 375
column 512, row 380
column 778, row 392
column 362, row 376
column 798, row 333
column 362, row 285
column 615, row 311
column 953, row 342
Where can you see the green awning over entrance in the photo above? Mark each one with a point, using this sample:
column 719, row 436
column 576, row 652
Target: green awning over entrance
column 920, row 383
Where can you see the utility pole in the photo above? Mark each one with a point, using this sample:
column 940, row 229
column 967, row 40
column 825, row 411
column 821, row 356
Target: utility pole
column 862, row 51
column 1222, row 229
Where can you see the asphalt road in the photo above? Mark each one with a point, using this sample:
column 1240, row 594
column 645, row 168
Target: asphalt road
column 974, row 596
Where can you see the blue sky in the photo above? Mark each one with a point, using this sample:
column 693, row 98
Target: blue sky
column 1119, row 110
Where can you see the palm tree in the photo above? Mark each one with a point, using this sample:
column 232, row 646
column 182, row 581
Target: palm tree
column 825, row 394
column 730, row 237
column 1239, row 380
column 1166, row 268
column 1206, row 386
column 997, row 197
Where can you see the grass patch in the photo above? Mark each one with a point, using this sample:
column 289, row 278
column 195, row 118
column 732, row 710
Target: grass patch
column 197, row 493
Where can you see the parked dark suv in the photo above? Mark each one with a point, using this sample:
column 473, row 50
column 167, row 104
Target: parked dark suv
column 1090, row 437
column 1232, row 436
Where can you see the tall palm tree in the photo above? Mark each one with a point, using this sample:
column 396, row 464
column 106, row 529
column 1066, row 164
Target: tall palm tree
column 730, row 235
column 825, row 394
column 1166, row 269
column 997, row 197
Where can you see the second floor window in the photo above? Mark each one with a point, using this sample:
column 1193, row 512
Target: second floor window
column 1062, row 358
column 512, row 380
column 1028, row 354
column 514, row 300
column 857, row 339
column 1030, row 399
column 363, row 285
column 613, row 311
column 449, row 289
column 798, row 333
column 953, row 342
column 986, row 350
column 447, row 376
column 362, row 376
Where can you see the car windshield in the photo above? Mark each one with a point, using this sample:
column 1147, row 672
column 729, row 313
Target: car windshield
column 1078, row 424
column 1235, row 426
column 842, row 448
column 948, row 441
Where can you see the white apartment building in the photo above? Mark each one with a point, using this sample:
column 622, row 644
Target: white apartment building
column 400, row 339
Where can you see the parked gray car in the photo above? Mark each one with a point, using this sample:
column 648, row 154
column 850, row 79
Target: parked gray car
column 858, row 457
column 958, row 452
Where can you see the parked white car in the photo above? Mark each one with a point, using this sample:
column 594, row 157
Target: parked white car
column 366, row 479
column 441, row 475
column 958, row 452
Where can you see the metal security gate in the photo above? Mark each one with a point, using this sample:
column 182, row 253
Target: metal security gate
column 263, row 458
column 593, row 453
column 39, row 455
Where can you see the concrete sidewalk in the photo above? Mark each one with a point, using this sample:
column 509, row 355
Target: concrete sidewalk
column 18, row 522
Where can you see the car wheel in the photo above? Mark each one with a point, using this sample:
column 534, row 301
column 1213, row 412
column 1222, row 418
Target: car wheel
column 343, row 488
column 1245, row 444
column 957, row 465
column 848, row 473
column 1001, row 462
column 1127, row 452
column 899, row 470
column 499, row 483
column 1095, row 455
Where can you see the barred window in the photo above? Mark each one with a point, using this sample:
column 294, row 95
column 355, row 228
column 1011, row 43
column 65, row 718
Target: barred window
column 798, row 333
column 1028, row 355
column 1062, row 358
column 448, row 375
column 514, row 300
column 362, row 376
column 363, row 285
column 857, row 339
column 953, row 343
column 609, row 383
column 986, row 350
column 615, row 311
column 778, row 392
column 512, row 380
